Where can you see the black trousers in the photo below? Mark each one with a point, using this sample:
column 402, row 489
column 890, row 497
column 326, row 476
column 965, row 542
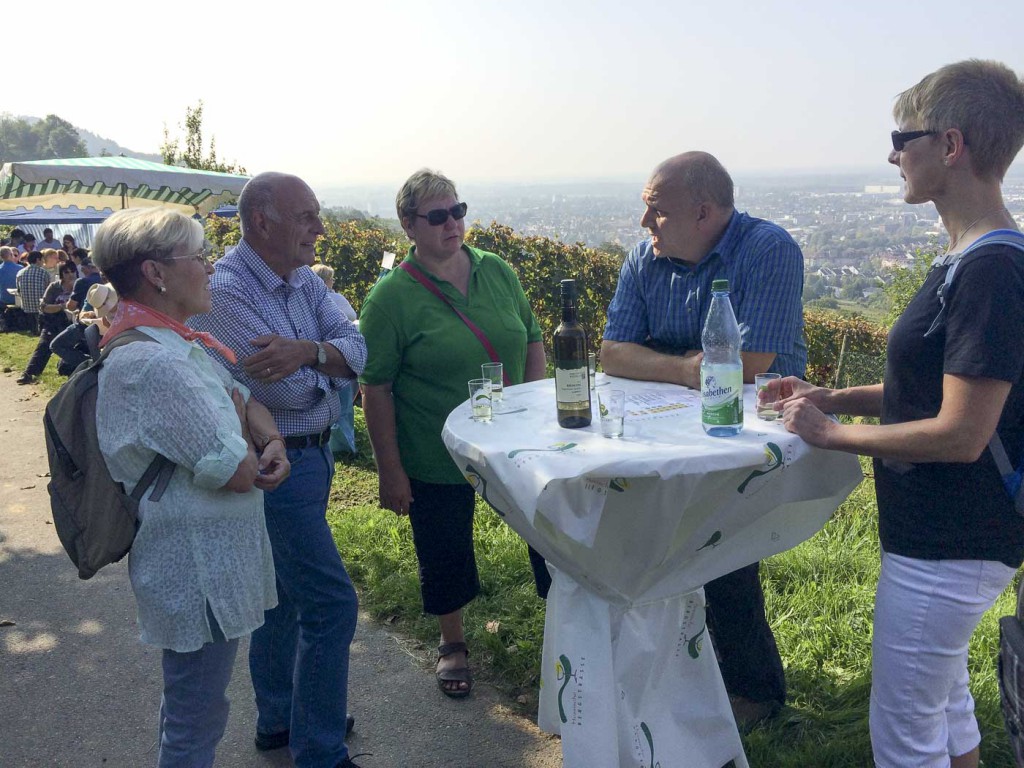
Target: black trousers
column 747, row 653
column 41, row 356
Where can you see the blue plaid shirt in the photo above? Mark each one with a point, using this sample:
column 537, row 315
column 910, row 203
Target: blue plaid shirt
column 250, row 300
column 32, row 283
column 662, row 302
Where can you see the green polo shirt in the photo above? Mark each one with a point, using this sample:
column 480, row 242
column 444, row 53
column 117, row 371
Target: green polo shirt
column 416, row 342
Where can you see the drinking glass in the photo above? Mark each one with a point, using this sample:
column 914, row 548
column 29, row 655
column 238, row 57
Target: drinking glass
column 766, row 398
column 480, row 399
column 612, row 407
column 592, row 367
column 495, row 373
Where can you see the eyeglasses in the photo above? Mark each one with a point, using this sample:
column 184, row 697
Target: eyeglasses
column 439, row 216
column 900, row 138
column 200, row 257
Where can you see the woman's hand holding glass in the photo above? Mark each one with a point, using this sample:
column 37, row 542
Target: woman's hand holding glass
column 802, row 407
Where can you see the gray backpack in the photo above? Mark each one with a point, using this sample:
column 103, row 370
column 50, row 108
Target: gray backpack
column 94, row 517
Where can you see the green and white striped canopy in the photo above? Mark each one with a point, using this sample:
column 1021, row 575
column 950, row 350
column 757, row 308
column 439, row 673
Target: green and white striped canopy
column 114, row 182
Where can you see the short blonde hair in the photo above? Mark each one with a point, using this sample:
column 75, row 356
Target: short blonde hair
column 324, row 272
column 134, row 235
column 422, row 185
column 984, row 100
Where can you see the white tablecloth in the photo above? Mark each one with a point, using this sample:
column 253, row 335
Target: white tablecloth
column 634, row 527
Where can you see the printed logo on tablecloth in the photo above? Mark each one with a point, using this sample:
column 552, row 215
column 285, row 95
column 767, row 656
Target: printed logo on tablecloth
column 573, row 696
column 479, row 483
column 522, row 456
column 602, row 485
column 643, row 745
column 773, row 460
column 693, row 630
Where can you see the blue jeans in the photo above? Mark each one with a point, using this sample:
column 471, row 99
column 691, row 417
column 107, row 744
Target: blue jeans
column 299, row 657
column 194, row 705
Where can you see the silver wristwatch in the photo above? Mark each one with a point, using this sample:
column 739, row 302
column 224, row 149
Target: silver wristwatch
column 321, row 354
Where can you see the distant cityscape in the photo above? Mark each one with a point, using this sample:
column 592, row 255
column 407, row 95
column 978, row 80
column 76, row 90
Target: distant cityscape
column 854, row 229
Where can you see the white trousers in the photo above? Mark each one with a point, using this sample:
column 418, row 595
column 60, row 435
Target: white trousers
column 921, row 710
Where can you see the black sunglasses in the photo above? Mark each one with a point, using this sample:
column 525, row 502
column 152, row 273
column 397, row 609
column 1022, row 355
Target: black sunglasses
column 900, row 138
column 439, row 216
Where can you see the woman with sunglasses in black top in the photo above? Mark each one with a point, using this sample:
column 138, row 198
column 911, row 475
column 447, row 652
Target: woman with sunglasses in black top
column 951, row 539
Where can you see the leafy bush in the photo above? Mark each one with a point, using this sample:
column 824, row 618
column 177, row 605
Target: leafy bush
column 843, row 350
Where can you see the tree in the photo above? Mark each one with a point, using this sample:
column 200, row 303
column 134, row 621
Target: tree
column 192, row 157
column 49, row 138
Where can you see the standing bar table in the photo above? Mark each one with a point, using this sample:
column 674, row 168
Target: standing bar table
column 634, row 527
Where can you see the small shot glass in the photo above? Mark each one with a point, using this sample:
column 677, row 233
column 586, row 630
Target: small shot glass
column 495, row 373
column 480, row 399
column 611, row 404
column 766, row 398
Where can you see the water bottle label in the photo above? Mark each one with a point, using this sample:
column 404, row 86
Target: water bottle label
column 721, row 395
column 572, row 387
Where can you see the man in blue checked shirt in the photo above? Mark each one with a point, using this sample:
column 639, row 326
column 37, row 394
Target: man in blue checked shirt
column 295, row 351
column 653, row 333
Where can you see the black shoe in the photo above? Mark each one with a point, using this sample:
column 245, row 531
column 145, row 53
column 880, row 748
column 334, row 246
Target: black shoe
column 26, row 378
column 347, row 762
column 268, row 741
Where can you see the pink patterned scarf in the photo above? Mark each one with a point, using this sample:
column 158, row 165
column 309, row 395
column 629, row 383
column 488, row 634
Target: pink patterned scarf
column 132, row 314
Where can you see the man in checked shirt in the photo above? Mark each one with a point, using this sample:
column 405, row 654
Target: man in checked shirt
column 653, row 333
column 295, row 352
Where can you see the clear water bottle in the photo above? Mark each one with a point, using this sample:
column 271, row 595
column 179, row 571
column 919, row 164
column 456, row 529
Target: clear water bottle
column 721, row 369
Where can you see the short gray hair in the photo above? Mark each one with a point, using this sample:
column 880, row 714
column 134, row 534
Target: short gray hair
column 422, row 185
column 133, row 235
column 984, row 100
column 325, row 272
column 258, row 197
column 701, row 176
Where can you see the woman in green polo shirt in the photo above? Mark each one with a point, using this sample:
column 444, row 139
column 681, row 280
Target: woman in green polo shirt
column 420, row 356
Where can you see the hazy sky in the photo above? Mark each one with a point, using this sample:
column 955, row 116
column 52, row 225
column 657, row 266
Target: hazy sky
column 369, row 91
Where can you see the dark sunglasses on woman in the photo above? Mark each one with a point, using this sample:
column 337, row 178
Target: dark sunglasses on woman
column 439, row 216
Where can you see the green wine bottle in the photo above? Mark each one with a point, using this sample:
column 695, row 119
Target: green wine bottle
column 572, row 375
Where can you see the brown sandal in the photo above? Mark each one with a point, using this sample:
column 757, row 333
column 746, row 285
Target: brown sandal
column 461, row 675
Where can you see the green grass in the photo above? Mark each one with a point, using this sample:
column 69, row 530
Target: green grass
column 16, row 349
column 819, row 596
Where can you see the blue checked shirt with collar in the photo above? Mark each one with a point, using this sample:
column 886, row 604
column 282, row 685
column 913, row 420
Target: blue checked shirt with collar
column 32, row 283
column 250, row 300
column 662, row 302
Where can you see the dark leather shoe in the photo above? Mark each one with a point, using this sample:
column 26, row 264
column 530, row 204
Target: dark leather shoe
column 268, row 741
column 749, row 713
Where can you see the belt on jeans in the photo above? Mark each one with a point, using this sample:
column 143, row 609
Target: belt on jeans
column 308, row 441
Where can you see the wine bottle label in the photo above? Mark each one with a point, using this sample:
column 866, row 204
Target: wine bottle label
column 572, row 390
column 721, row 395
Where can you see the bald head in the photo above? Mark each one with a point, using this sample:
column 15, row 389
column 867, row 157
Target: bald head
column 280, row 219
column 698, row 175
column 260, row 196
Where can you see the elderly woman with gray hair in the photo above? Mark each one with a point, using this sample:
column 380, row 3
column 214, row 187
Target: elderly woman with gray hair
column 201, row 566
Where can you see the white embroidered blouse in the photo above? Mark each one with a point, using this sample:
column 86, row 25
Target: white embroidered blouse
column 200, row 545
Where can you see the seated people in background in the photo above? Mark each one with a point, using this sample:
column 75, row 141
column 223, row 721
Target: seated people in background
column 9, row 270
column 52, row 320
column 68, row 244
column 654, row 333
column 80, row 341
column 48, row 241
column 28, row 244
column 343, row 431
column 51, row 262
column 90, row 277
column 32, row 281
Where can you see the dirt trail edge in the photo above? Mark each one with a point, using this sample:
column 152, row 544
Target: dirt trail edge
column 78, row 689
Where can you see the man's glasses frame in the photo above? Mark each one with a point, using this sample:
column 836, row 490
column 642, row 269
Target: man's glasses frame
column 439, row 216
column 900, row 138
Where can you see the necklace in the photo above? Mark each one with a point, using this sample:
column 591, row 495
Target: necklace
column 953, row 243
